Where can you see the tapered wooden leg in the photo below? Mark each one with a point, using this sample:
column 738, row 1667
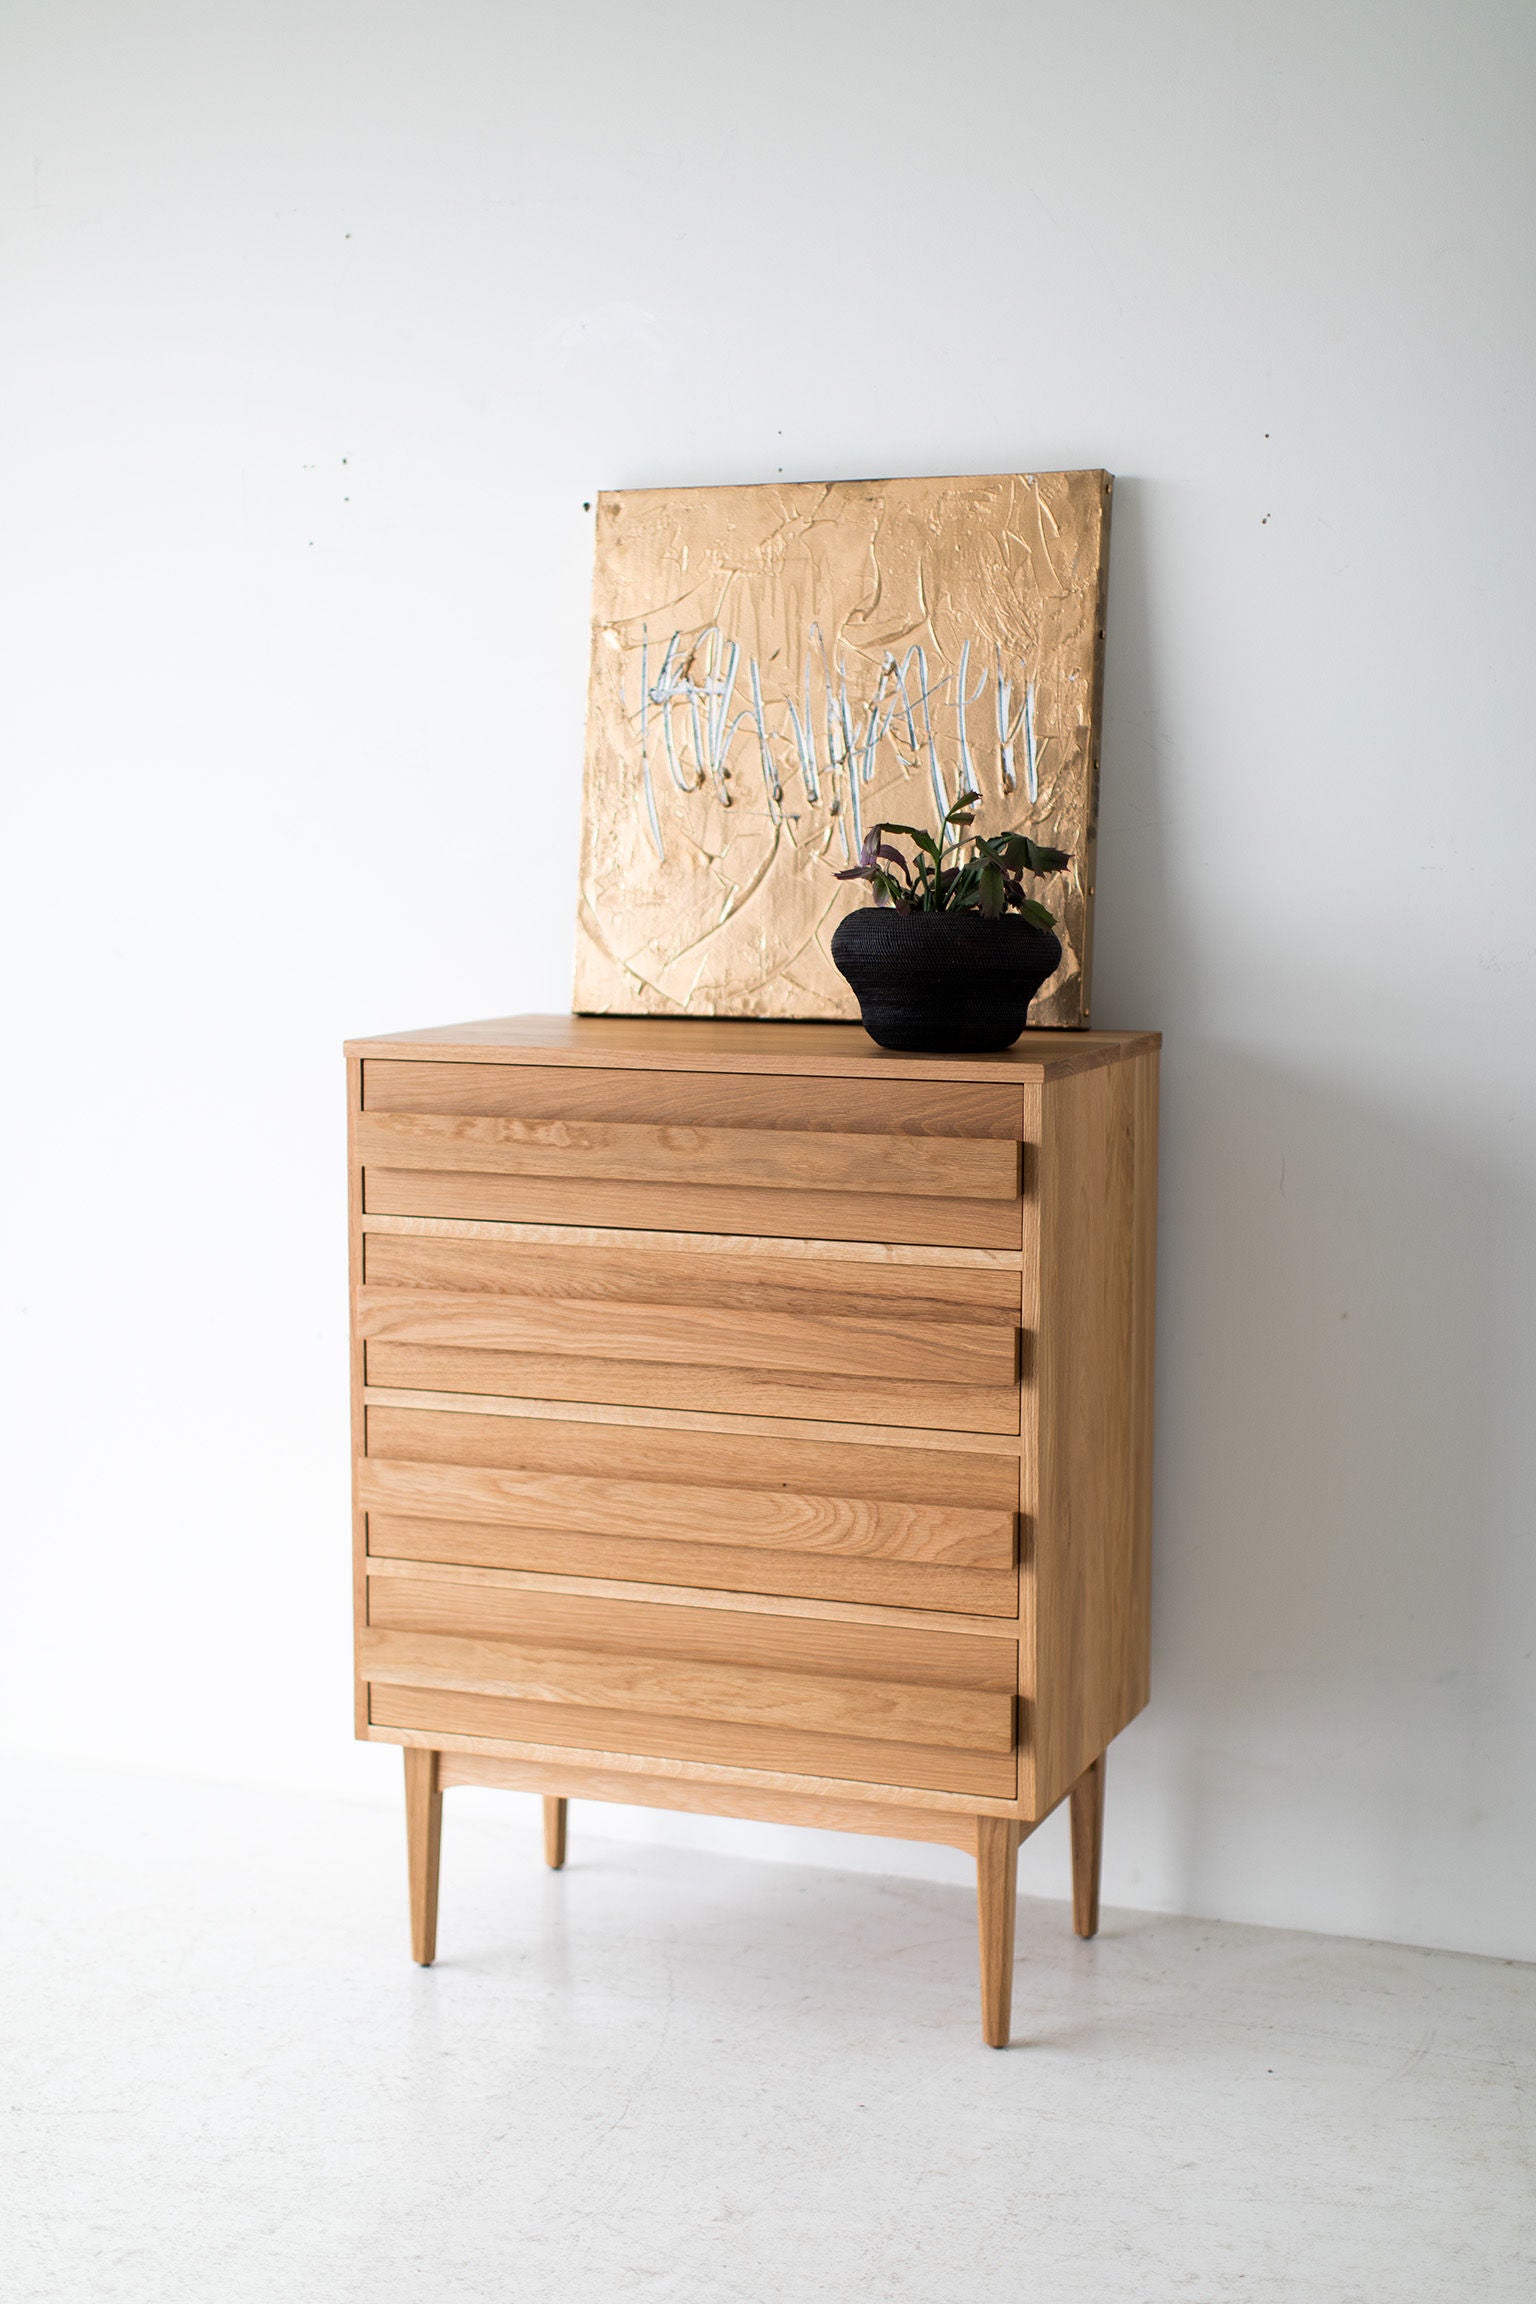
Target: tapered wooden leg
column 423, row 1846
column 554, row 1834
column 1087, row 1847
column 997, row 1873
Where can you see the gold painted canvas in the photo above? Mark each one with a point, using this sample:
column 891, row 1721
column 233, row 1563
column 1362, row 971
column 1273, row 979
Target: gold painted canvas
column 776, row 669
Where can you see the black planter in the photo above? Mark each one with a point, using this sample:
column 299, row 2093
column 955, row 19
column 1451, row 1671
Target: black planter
column 953, row 983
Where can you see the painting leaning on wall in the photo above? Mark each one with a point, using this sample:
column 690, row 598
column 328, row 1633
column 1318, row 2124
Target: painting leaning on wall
column 775, row 669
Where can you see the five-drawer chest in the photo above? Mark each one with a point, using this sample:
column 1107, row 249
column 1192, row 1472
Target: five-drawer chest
column 753, row 1421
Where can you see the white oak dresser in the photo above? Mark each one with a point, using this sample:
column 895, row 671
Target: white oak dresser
column 751, row 1420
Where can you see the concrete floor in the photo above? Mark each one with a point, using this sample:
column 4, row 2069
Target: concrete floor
column 663, row 2076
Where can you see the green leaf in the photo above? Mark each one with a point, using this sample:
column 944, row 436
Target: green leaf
column 1018, row 853
column 1037, row 913
column 924, row 840
column 991, row 895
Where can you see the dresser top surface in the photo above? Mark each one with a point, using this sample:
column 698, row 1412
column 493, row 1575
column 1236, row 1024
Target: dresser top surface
column 688, row 1044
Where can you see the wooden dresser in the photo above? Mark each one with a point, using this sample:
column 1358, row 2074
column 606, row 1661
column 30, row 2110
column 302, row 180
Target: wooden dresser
column 753, row 1421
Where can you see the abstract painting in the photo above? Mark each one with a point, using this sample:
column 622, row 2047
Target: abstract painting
column 775, row 669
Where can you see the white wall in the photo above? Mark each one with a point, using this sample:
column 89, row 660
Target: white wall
column 326, row 319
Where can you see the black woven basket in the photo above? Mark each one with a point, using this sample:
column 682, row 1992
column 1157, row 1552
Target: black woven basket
column 953, row 983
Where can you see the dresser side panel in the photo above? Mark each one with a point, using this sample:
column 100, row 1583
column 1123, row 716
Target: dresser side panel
column 1144, row 1072
column 1029, row 1459
column 355, row 1349
column 1088, row 1566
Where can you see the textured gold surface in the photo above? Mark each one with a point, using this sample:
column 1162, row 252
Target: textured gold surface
column 758, row 695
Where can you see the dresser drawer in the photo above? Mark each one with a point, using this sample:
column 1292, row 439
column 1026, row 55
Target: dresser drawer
column 898, row 1527
column 931, row 1346
column 671, row 1152
column 446, row 1653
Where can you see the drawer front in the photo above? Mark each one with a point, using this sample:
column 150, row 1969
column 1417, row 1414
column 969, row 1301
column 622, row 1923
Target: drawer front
column 925, row 1710
column 898, row 1527
column 928, row 1346
column 679, row 1152
column 710, row 1099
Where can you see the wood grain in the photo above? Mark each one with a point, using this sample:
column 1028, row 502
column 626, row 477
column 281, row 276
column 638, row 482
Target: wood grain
column 554, row 1834
column 1131, row 1598
column 788, row 1051
column 659, row 1272
column 827, row 1645
column 706, row 1774
column 906, row 1474
column 737, row 1694
column 775, row 1519
column 356, row 1385
column 583, row 1782
column 423, row 1841
column 660, row 1207
column 1087, row 1847
column 944, row 1168
column 693, row 1335
column 829, row 1760
column 857, row 1484
column 743, row 1248
column 695, row 1100
column 595, row 1413
column 1088, row 1576
column 997, row 1903
column 660, row 1595
column 536, row 1375
column 730, row 1569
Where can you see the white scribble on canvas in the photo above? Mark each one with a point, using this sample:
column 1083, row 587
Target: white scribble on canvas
column 805, row 768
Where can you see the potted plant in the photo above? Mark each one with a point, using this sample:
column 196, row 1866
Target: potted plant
column 953, row 949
